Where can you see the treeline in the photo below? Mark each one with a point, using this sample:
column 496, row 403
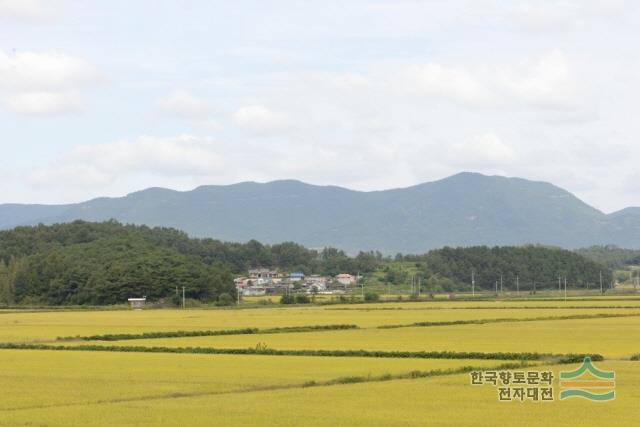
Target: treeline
column 83, row 263
column 611, row 255
column 107, row 270
column 528, row 268
column 105, row 263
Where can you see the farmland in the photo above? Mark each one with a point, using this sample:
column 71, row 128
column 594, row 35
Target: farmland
column 395, row 363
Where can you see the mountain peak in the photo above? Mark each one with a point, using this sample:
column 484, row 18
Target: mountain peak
column 468, row 208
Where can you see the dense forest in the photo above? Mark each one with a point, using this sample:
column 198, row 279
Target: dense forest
column 105, row 263
column 611, row 255
column 527, row 268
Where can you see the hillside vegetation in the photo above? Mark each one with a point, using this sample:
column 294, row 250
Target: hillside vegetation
column 106, row 263
column 611, row 255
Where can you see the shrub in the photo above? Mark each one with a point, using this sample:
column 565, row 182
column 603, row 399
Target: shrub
column 302, row 299
column 287, row 299
column 371, row 296
column 225, row 299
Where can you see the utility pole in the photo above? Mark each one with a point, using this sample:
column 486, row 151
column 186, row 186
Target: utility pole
column 517, row 285
column 559, row 284
column 565, row 289
column 473, row 283
column 600, row 281
column 501, row 284
column 183, row 300
column 419, row 286
column 496, row 288
column 238, row 294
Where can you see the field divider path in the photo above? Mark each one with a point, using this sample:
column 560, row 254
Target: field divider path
column 509, row 320
column 263, row 350
column 209, row 333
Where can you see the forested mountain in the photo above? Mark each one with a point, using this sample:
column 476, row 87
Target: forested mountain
column 106, row 263
column 463, row 210
column 611, row 255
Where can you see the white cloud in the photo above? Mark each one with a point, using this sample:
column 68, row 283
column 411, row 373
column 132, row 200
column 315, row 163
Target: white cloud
column 44, row 83
column 482, row 151
column 261, row 120
column 28, row 10
column 543, row 81
column 382, row 94
column 433, row 79
column 45, row 102
column 30, row 71
column 545, row 17
column 100, row 164
column 74, row 176
column 182, row 104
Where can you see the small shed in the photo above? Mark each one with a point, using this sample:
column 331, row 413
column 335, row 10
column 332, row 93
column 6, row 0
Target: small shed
column 296, row 276
column 137, row 303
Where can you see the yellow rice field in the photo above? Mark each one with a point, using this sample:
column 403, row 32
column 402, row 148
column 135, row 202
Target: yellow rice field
column 31, row 326
column 34, row 379
column 612, row 337
column 447, row 400
column 83, row 388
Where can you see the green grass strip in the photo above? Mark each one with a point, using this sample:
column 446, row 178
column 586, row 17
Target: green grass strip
column 509, row 320
column 208, row 333
column 412, row 375
column 261, row 349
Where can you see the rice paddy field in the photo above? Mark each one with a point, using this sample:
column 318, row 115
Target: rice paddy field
column 388, row 363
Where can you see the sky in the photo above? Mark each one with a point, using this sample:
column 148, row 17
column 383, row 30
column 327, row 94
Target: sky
column 106, row 98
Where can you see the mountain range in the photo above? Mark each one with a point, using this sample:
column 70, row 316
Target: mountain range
column 461, row 210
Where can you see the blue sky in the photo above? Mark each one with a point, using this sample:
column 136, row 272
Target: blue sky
column 106, row 98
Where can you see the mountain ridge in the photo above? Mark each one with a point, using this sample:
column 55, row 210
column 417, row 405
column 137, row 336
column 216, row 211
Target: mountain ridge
column 461, row 210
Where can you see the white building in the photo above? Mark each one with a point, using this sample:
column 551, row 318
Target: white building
column 346, row 279
column 253, row 291
column 137, row 303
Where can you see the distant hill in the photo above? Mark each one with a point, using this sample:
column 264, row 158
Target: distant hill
column 462, row 210
column 611, row 255
column 89, row 263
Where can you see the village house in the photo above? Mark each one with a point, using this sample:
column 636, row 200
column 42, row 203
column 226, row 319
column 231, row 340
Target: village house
column 262, row 273
column 345, row 279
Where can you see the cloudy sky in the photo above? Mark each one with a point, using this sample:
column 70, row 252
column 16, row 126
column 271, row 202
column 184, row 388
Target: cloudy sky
column 105, row 98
